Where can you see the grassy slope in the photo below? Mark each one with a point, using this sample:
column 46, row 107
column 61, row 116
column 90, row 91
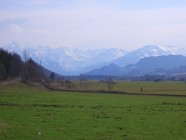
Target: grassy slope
column 33, row 113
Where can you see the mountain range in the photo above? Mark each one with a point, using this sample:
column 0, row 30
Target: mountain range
column 66, row 61
column 147, row 51
column 154, row 65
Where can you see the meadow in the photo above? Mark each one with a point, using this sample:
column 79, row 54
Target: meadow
column 30, row 112
column 148, row 87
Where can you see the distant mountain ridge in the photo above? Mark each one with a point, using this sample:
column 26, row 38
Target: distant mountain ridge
column 111, row 69
column 166, row 64
column 159, row 65
column 67, row 61
column 147, row 51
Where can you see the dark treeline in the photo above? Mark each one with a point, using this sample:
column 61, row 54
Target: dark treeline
column 31, row 71
column 12, row 66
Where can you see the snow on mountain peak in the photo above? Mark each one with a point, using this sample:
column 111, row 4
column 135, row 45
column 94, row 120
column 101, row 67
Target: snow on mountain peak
column 64, row 59
column 147, row 51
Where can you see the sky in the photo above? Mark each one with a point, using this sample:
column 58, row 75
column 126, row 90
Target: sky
column 93, row 24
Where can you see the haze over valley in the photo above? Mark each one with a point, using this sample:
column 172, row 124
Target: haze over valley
column 66, row 61
column 93, row 69
column 73, row 37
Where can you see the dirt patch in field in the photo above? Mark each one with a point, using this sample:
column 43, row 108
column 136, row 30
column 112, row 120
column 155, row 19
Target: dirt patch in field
column 119, row 92
column 3, row 126
column 41, row 105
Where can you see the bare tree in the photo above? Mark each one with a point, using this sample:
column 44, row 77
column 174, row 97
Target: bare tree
column 84, row 83
column 81, row 81
column 25, row 56
column 110, row 83
column 25, row 73
column 52, row 77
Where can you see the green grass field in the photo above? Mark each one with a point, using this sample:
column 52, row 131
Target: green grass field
column 167, row 87
column 28, row 112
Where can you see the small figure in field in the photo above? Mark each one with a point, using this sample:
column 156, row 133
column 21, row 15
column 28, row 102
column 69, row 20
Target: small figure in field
column 141, row 89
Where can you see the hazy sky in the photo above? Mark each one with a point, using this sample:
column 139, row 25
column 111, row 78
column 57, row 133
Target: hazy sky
column 127, row 24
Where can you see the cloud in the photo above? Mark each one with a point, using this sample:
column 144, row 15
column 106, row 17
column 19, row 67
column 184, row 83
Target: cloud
column 39, row 32
column 14, row 28
column 95, row 24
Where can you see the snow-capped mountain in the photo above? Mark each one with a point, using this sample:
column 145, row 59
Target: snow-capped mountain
column 67, row 61
column 147, row 51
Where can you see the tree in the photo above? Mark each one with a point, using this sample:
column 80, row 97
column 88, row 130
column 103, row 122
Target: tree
column 11, row 65
column 25, row 56
column 3, row 73
column 16, row 65
column 81, row 81
column 110, row 83
column 34, row 71
column 84, row 83
column 25, row 75
column 52, row 76
column 31, row 71
column 5, row 59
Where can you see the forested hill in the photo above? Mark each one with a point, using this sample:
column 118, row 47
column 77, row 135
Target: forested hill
column 11, row 66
